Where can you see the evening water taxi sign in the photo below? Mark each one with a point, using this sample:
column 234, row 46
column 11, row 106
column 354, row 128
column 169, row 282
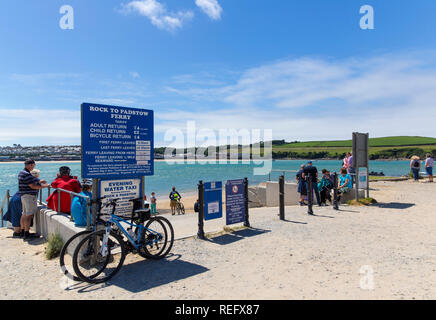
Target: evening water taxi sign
column 117, row 142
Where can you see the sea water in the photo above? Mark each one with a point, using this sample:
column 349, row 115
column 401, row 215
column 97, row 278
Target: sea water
column 185, row 177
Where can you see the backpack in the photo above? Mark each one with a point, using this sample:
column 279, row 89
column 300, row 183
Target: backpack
column 416, row 164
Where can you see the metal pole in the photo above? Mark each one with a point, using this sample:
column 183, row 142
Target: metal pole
column 335, row 192
column 282, row 197
column 59, row 201
column 94, row 207
column 357, row 184
column 142, row 192
column 310, row 194
column 200, row 232
column 71, row 200
column 247, row 221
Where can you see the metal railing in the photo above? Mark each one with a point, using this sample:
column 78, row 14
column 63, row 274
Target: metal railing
column 57, row 208
column 72, row 195
column 5, row 201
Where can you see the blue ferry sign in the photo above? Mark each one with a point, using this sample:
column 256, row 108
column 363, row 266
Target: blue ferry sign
column 213, row 200
column 117, row 142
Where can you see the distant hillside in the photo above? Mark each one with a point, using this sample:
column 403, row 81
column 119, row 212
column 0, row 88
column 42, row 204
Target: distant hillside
column 380, row 148
column 397, row 141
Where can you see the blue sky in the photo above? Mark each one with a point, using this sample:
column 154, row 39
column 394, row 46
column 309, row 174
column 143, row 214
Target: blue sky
column 302, row 68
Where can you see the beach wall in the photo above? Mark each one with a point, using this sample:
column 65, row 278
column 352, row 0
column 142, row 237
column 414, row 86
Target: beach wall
column 48, row 222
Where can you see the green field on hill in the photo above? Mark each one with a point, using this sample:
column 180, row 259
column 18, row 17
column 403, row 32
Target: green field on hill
column 380, row 148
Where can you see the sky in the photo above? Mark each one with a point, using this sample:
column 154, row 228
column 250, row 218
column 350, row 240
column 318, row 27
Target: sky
column 305, row 69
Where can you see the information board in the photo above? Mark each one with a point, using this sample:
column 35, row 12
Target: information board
column 124, row 190
column 213, row 200
column 363, row 178
column 117, row 142
column 235, row 201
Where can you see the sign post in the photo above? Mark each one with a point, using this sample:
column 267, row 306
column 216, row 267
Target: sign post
column 361, row 159
column 213, row 200
column 117, row 142
column 235, row 202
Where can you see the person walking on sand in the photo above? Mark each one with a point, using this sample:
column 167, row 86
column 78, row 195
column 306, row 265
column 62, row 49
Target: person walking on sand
column 429, row 164
column 415, row 166
column 28, row 187
column 153, row 203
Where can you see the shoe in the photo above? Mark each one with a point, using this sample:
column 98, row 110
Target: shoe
column 30, row 236
column 18, row 234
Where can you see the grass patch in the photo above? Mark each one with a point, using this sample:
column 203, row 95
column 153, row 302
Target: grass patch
column 362, row 202
column 54, row 246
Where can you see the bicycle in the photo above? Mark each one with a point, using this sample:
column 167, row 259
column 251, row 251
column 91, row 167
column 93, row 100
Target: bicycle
column 66, row 254
column 180, row 208
column 106, row 249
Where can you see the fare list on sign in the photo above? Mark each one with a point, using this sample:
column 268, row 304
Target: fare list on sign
column 118, row 141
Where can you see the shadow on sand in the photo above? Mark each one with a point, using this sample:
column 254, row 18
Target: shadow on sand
column 237, row 235
column 394, row 205
column 146, row 274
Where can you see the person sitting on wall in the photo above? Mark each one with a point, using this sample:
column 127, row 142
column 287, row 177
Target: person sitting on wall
column 66, row 182
column 79, row 205
column 325, row 187
column 345, row 183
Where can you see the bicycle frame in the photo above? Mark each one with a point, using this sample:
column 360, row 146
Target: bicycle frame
column 136, row 244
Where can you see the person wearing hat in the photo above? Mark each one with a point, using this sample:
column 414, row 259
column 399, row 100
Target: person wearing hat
column 28, row 187
column 63, row 181
column 429, row 164
column 415, row 166
column 79, row 205
column 312, row 171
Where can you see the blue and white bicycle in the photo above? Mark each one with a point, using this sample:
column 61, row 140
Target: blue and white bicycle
column 101, row 254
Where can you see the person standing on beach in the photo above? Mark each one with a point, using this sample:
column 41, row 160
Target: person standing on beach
column 312, row 171
column 153, row 203
column 429, row 164
column 28, row 187
column 301, row 186
column 174, row 197
column 415, row 166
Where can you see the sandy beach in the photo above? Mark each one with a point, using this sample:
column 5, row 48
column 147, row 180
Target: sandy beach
column 385, row 251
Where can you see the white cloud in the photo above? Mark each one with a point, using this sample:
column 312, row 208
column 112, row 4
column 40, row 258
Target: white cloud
column 18, row 124
column 158, row 14
column 211, row 7
column 318, row 98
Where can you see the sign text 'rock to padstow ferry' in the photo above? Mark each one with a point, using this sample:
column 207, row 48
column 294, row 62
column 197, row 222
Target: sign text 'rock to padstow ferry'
column 117, row 142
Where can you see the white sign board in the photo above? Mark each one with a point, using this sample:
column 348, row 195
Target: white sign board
column 363, row 178
column 124, row 190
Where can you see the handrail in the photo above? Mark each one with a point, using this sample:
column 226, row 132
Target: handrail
column 5, row 200
column 72, row 194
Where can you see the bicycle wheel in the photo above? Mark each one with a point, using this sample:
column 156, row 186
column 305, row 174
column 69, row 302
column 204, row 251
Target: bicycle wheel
column 182, row 208
column 90, row 261
column 66, row 255
column 154, row 239
column 170, row 235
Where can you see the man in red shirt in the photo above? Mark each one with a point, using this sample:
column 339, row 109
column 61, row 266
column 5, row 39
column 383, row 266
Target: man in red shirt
column 66, row 182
